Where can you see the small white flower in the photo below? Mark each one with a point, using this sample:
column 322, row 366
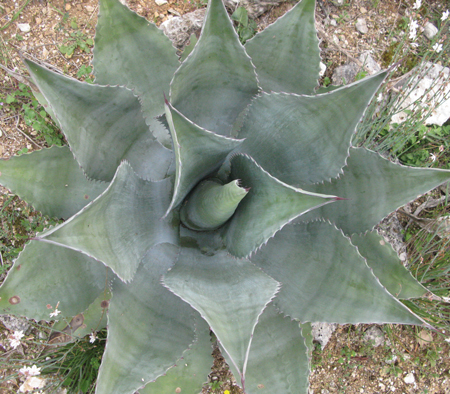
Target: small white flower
column 447, row 340
column 437, row 47
column 14, row 339
column 380, row 97
column 445, row 15
column 414, row 44
column 417, row 4
column 92, row 338
column 413, row 29
column 30, row 371
column 433, row 157
column 55, row 313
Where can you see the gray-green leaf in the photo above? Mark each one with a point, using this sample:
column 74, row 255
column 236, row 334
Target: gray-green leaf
column 121, row 225
column 191, row 371
column 102, row 124
column 131, row 51
column 278, row 361
column 286, row 53
column 198, row 152
column 217, row 80
column 67, row 278
column 269, row 205
column 373, row 188
column 149, row 328
column 305, row 139
column 325, row 278
column 230, row 295
column 387, row 267
column 51, row 180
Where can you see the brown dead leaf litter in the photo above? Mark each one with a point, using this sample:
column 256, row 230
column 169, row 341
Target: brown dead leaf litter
column 348, row 364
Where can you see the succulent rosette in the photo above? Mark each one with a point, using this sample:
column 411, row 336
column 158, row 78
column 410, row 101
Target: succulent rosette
column 236, row 205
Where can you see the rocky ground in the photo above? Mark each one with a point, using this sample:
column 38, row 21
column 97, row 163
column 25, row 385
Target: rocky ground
column 357, row 359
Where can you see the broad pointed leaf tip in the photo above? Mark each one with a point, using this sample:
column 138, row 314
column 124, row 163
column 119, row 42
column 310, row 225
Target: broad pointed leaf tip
column 149, row 327
column 50, row 180
column 102, row 124
column 198, row 153
column 368, row 176
column 230, row 294
column 218, row 76
column 75, row 281
column 269, row 206
column 120, row 225
column 298, row 144
column 387, row 267
column 349, row 291
column 127, row 41
column 278, row 359
column 286, row 53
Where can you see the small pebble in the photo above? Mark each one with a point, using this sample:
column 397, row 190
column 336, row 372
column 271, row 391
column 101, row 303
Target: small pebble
column 361, row 26
column 409, row 379
column 323, row 68
column 430, row 30
column 24, row 27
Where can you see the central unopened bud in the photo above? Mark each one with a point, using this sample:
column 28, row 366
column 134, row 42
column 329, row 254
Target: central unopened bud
column 211, row 204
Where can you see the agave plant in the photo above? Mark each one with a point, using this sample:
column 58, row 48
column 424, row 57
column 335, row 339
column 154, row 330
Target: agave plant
column 237, row 205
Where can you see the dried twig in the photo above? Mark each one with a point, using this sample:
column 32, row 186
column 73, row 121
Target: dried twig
column 19, row 77
column 27, row 136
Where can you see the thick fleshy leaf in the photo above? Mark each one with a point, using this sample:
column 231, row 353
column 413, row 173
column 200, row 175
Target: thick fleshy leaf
column 387, row 267
column 131, row 51
column 189, row 48
column 217, row 80
column 308, row 336
column 269, row 205
column 95, row 317
column 230, row 295
column 101, row 123
column 51, row 180
column 325, row 279
column 149, row 328
column 198, row 152
column 373, row 188
column 278, row 361
column 121, row 224
column 46, row 274
column 305, row 139
column 211, row 204
column 286, row 53
column 191, row 371
column 149, row 159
